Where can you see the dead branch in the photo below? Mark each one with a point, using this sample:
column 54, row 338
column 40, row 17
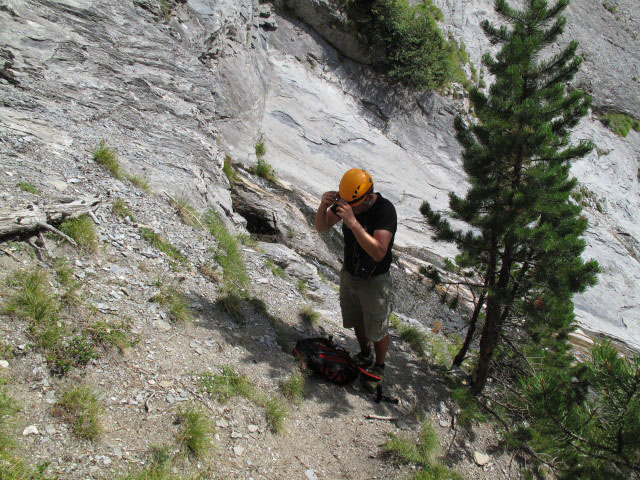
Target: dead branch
column 9, row 254
column 378, row 417
column 35, row 217
column 46, row 226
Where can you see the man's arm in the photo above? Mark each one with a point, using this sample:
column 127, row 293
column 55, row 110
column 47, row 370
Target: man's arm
column 325, row 218
column 375, row 245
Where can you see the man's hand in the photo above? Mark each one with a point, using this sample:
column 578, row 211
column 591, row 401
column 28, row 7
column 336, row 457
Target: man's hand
column 345, row 212
column 329, row 198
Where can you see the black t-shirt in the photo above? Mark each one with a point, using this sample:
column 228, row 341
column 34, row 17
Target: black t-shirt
column 381, row 216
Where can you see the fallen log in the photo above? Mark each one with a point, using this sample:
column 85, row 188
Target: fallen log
column 37, row 217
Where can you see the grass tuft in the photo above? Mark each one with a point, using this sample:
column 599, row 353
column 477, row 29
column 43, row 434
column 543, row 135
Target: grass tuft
column 423, row 452
column 83, row 231
column 260, row 148
column 293, row 387
column 156, row 241
column 28, row 187
column 177, row 303
column 226, row 385
column 139, row 182
column 416, row 338
column 309, row 316
column 229, row 171
column 277, row 270
column 34, row 301
column 121, row 210
column 276, row 412
column 187, row 213
column 228, row 255
column 108, row 158
column 112, row 334
column 81, row 407
column 196, row 433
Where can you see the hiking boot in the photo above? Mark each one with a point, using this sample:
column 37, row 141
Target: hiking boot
column 373, row 378
column 364, row 360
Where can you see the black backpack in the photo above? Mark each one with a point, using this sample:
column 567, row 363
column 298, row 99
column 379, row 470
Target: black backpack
column 324, row 357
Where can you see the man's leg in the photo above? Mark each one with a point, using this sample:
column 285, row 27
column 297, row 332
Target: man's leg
column 365, row 343
column 381, row 347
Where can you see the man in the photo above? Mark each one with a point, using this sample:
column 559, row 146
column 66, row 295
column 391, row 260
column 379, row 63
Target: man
column 369, row 224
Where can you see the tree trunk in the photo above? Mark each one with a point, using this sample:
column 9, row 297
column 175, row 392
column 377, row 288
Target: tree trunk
column 470, row 332
column 31, row 219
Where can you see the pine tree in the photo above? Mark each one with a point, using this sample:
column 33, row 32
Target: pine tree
column 521, row 257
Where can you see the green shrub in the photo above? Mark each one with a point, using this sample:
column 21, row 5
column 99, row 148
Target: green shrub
column 121, row 210
column 302, row 286
column 82, row 408
column 82, row 230
column 107, row 157
column 161, row 244
column 620, row 124
column 470, row 410
column 165, row 9
column 27, row 187
column 260, row 148
column 407, row 38
column 196, row 433
column 264, row 170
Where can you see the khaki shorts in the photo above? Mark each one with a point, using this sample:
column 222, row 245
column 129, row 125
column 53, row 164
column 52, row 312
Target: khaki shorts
column 366, row 302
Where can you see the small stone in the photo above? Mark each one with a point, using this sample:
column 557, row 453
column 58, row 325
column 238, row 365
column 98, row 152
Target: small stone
column 50, row 429
column 238, row 450
column 193, row 344
column 30, row 430
column 444, row 422
column 152, row 381
column 481, row 459
column 80, row 274
column 106, row 461
column 402, row 425
column 161, row 325
column 170, row 399
column 311, row 474
column 117, row 452
column 443, row 408
column 222, row 423
column 236, row 435
column 4, row 364
column 253, row 428
column 164, row 383
column 199, row 351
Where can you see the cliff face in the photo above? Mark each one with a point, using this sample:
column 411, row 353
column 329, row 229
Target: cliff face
column 175, row 96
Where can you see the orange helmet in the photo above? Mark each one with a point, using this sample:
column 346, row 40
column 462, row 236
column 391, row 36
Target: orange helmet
column 355, row 185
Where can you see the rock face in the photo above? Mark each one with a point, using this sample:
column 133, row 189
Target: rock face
column 176, row 96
